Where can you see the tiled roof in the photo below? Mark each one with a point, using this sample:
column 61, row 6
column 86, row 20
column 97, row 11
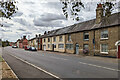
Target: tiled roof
column 86, row 25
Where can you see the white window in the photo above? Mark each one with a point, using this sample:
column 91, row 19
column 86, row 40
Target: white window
column 44, row 39
column 54, row 39
column 48, row 39
column 61, row 46
column 69, row 46
column 69, row 37
column 104, row 34
column 60, row 38
column 104, row 48
column 48, row 45
column 86, row 35
column 86, row 46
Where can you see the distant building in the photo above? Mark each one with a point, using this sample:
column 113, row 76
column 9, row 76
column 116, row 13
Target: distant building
column 33, row 42
column 40, row 42
column 23, row 42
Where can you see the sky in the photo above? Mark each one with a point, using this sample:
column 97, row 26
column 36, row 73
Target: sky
column 36, row 16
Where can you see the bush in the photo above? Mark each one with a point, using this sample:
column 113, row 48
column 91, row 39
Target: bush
column 85, row 51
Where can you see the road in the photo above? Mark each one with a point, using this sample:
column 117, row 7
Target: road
column 57, row 64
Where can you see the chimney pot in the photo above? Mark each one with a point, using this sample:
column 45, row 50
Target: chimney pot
column 36, row 36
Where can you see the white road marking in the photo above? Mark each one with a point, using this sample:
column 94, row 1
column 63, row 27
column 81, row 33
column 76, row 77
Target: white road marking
column 36, row 67
column 99, row 66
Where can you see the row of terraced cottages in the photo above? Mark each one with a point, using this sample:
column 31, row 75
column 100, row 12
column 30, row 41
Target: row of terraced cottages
column 94, row 37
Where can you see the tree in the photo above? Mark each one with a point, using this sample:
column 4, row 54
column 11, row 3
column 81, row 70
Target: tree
column 8, row 8
column 74, row 7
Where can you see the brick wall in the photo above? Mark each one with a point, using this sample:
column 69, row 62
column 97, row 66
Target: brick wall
column 113, row 34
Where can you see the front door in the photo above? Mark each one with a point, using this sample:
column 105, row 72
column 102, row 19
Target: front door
column 119, row 51
column 77, row 49
column 44, row 47
column 52, row 47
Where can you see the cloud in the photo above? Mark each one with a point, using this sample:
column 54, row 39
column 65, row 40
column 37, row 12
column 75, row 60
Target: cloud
column 21, row 29
column 50, row 20
column 5, row 24
column 39, row 22
column 51, row 16
column 3, row 30
column 27, row 32
column 53, row 5
column 17, row 14
column 20, row 20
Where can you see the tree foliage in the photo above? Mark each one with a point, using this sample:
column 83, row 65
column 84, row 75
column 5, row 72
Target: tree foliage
column 8, row 8
column 75, row 7
column 108, row 7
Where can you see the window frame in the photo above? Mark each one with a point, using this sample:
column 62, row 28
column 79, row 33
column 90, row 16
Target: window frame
column 84, row 34
column 44, row 39
column 60, row 38
column 70, row 46
column 101, row 49
column 48, row 45
column 61, row 47
column 84, row 46
column 54, row 39
column 48, row 39
column 102, row 31
column 69, row 37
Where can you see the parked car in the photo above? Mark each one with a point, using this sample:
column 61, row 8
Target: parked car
column 14, row 47
column 32, row 49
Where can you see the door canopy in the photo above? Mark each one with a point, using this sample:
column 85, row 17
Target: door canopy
column 117, row 43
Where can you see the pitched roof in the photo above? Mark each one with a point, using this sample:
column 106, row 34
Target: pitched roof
column 86, row 25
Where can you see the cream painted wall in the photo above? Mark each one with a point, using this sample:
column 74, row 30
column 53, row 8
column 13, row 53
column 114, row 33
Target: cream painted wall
column 57, row 42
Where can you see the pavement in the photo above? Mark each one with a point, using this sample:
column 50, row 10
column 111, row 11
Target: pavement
column 59, row 64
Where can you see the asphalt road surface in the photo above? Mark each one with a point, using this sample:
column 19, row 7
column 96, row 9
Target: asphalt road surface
column 57, row 65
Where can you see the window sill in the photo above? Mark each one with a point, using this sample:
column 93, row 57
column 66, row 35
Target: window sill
column 70, row 49
column 86, row 39
column 61, row 48
column 104, row 52
column 104, row 38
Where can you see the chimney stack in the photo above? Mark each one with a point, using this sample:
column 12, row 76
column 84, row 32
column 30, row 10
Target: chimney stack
column 48, row 31
column 24, row 37
column 36, row 35
column 39, row 35
column 45, row 32
column 99, row 13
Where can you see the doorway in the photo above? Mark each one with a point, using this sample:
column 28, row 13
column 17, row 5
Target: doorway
column 52, row 47
column 77, row 49
column 44, row 47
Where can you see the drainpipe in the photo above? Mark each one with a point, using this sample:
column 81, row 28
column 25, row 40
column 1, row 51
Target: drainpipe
column 94, row 41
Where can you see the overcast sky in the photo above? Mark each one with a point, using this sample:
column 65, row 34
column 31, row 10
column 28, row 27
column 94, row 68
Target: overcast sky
column 36, row 16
